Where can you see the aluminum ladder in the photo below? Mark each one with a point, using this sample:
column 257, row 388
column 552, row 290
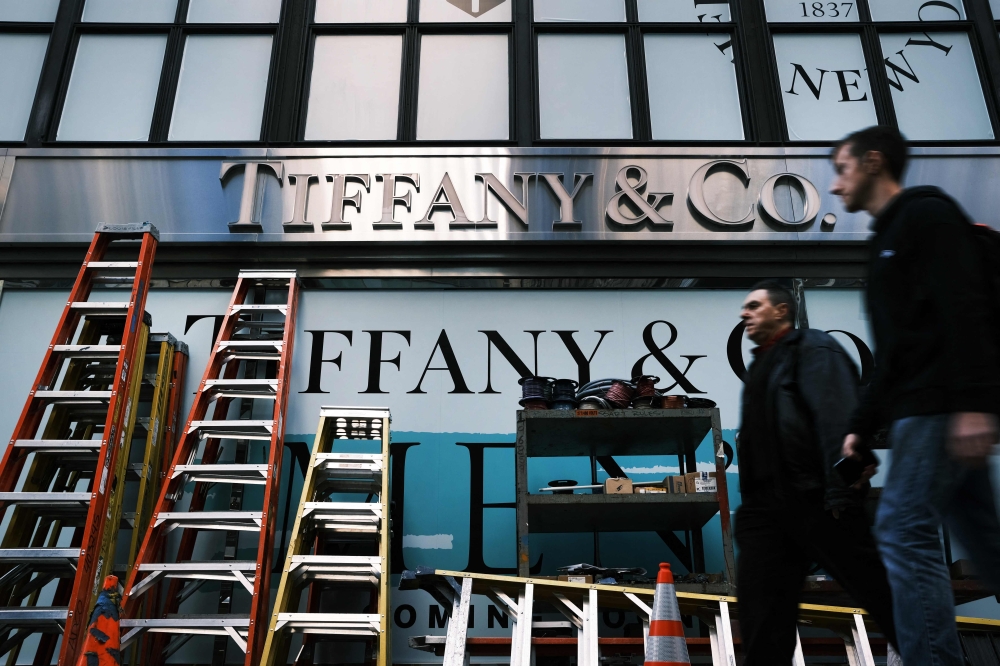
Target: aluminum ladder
column 62, row 473
column 338, row 552
column 220, row 545
column 519, row 598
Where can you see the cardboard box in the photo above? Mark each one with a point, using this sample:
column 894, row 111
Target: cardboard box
column 648, row 490
column 676, row 484
column 702, row 482
column 589, row 580
column 615, row 486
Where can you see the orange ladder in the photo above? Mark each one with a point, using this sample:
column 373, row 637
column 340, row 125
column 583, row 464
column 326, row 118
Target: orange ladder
column 62, row 474
column 199, row 543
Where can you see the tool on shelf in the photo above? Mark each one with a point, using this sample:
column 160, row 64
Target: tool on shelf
column 233, row 438
column 338, row 552
column 62, row 474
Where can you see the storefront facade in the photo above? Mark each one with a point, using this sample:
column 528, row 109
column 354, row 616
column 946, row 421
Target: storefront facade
column 472, row 190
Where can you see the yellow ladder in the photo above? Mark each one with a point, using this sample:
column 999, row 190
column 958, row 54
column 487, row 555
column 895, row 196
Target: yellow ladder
column 358, row 531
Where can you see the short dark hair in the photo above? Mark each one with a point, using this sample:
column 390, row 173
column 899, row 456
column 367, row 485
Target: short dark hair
column 881, row 139
column 778, row 295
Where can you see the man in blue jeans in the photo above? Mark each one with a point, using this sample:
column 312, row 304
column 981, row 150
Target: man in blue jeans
column 936, row 384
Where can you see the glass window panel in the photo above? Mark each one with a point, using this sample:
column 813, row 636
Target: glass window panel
column 112, row 90
column 234, row 11
column 36, row 11
column 354, row 93
column 465, row 11
column 21, row 58
column 793, row 11
column 995, row 6
column 683, row 11
column 692, row 88
column 464, row 88
column 917, row 10
column 220, row 94
column 824, row 86
column 580, row 10
column 361, row 11
column 130, row 11
column 583, row 87
column 935, row 86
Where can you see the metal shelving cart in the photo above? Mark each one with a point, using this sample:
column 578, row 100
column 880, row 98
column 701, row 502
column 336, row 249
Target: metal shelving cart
column 601, row 435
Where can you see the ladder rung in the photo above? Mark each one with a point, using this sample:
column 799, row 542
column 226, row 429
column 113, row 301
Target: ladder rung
column 192, row 621
column 87, row 351
column 276, row 307
column 233, row 429
column 268, row 275
column 251, row 345
column 55, row 500
column 243, row 388
column 242, row 572
column 74, row 397
column 246, row 474
column 33, row 617
column 344, row 624
column 337, row 568
column 92, row 308
column 187, row 567
column 38, row 555
column 239, row 521
column 348, row 465
column 60, row 445
column 271, row 325
column 366, row 509
column 113, row 279
column 354, row 517
column 109, row 265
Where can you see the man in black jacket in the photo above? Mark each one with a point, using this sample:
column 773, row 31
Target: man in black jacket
column 936, row 384
column 800, row 391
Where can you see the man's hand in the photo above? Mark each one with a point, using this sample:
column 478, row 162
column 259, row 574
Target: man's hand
column 971, row 436
column 852, row 444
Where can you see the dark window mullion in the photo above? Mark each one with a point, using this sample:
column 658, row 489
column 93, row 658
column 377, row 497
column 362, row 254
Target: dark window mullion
column 41, row 120
column 163, row 108
column 988, row 51
column 638, row 88
column 877, row 81
column 523, row 88
column 409, row 75
column 764, row 100
column 636, row 63
column 289, row 73
column 864, row 12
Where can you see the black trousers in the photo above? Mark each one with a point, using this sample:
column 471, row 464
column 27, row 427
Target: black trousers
column 777, row 548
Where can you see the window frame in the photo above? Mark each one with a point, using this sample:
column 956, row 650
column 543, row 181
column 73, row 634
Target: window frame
column 635, row 47
column 293, row 37
column 869, row 30
column 173, row 58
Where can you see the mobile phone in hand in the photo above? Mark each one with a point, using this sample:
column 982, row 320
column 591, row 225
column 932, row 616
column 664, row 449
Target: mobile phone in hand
column 851, row 469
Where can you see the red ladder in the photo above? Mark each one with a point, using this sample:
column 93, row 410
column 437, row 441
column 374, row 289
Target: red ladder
column 72, row 428
column 249, row 367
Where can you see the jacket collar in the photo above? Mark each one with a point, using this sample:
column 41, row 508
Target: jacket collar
column 880, row 223
column 770, row 344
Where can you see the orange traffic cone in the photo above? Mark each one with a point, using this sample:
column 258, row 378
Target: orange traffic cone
column 666, row 645
column 102, row 645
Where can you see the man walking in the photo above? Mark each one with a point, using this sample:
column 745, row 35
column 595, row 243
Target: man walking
column 937, row 385
column 800, row 391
